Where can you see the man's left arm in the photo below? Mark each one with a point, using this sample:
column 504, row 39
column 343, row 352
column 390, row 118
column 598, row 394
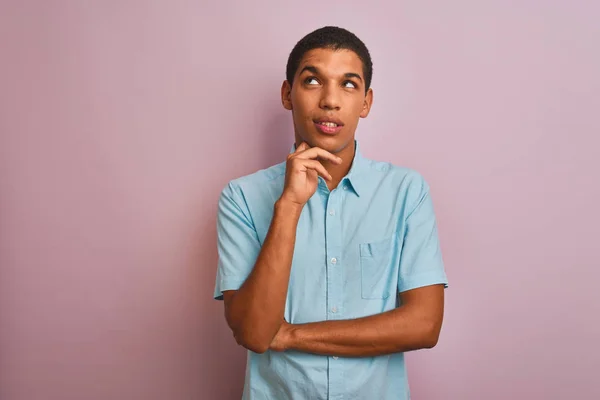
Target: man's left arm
column 416, row 324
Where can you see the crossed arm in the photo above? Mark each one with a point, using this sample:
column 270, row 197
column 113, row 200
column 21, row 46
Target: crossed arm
column 414, row 325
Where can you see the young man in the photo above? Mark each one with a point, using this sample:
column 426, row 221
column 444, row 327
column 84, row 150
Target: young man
column 329, row 263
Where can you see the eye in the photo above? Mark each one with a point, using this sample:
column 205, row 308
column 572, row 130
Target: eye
column 353, row 85
column 310, row 79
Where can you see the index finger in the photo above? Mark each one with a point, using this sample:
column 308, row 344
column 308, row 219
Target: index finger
column 317, row 152
column 303, row 146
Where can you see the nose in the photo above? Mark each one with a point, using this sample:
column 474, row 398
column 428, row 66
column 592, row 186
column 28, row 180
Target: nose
column 329, row 98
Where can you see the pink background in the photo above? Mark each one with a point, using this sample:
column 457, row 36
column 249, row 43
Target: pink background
column 121, row 121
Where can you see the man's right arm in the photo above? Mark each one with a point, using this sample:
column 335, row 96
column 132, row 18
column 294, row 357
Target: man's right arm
column 255, row 311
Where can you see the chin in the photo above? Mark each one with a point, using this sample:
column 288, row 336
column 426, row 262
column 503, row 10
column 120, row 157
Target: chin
column 332, row 144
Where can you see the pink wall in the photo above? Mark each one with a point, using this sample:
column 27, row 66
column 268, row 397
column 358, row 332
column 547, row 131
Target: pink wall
column 121, row 121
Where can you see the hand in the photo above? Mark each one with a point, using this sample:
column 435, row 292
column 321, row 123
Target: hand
column 302, row 173
column 281, row 340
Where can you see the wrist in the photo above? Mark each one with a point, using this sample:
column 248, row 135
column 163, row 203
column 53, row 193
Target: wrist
column 288, row 207
column 291, row 337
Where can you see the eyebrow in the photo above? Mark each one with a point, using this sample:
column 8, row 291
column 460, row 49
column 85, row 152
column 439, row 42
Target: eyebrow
column 315, row 71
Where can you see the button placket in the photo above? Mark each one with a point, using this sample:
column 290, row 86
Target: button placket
column 333, row 247
column 334, row 263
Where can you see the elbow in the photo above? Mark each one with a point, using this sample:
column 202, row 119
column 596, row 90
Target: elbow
column 258, row 348
column 252, row 342
column 431, row 336
column 247, row 336
column 430, row 342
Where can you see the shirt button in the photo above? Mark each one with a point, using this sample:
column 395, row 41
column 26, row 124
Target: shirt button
column 345, row 187
column 332, row 212
column 335, row 357
column 334, row 309
column 334, row 260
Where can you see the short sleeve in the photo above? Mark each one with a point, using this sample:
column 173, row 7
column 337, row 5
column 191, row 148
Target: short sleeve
column 421, row 261
column 237, row 242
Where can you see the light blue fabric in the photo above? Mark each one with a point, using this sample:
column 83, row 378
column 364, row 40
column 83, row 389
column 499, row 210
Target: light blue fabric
column 356, row 247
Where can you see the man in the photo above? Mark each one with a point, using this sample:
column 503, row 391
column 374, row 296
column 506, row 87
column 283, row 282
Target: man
column 329, row 263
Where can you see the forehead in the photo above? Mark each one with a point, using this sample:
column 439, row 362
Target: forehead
column 332, row 62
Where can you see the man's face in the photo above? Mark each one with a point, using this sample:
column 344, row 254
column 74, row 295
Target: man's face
column 327, row 98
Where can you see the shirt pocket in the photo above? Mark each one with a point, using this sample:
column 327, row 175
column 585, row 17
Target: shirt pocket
column 376, row 268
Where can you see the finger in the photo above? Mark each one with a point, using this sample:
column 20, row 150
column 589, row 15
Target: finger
column 316, row 166
column 303, row 146
column 317, row 152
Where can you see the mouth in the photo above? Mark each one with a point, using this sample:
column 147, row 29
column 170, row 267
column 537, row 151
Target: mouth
column 328, row 126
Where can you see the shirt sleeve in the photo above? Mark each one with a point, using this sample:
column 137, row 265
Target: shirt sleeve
column 421, row 261
column 237, row 242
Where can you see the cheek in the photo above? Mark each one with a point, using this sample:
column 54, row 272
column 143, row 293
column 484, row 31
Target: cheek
column 359, row 106
column 303, row 111
column 301, row 115
column 355, row 110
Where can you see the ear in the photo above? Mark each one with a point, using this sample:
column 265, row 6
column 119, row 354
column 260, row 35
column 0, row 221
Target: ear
column 286, row 95
column 368, row 102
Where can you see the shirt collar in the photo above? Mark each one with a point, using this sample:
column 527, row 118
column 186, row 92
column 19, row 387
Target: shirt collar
column 353, row 178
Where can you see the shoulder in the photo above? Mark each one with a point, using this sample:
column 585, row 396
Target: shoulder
column 405, row 178
column 250, row 186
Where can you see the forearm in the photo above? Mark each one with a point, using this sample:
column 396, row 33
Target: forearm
column 257, row 308
column 399, row 330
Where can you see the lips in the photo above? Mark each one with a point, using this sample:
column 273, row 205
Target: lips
column 328, row 125
column 329, row 122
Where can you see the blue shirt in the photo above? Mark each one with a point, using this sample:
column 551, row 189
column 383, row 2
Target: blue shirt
column 357, row 247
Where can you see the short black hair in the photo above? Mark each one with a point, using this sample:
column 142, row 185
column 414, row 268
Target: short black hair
column 334, row 38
